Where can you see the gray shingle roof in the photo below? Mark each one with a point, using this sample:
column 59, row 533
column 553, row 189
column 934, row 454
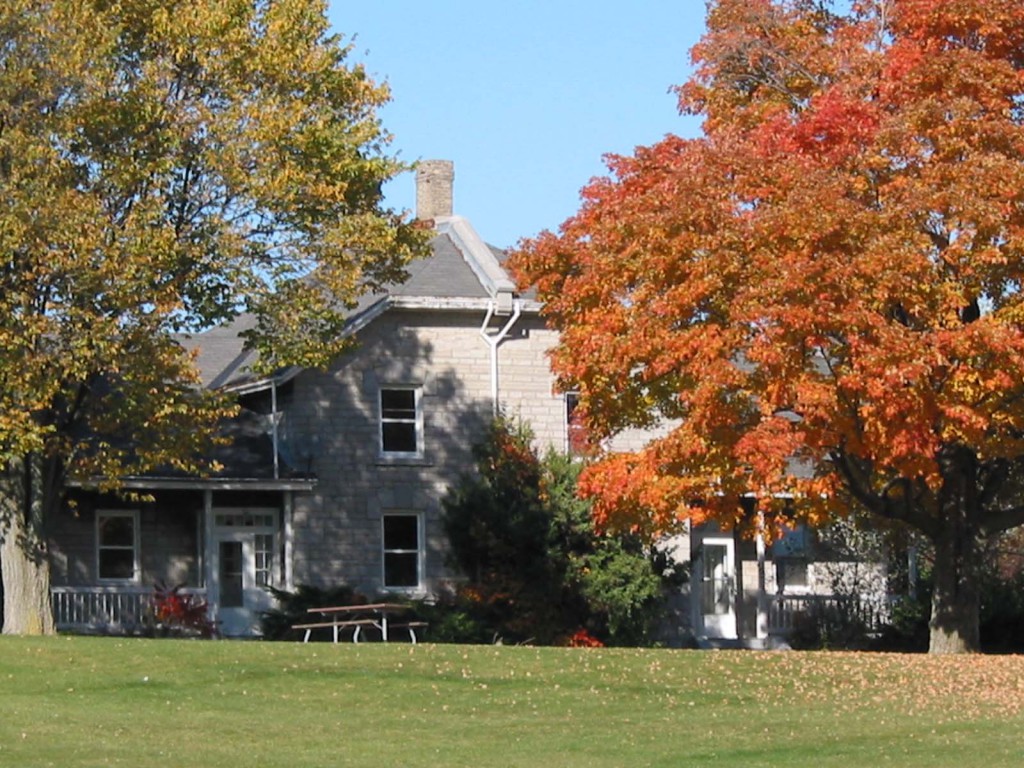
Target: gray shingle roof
column 221, row 356
column 445, row 274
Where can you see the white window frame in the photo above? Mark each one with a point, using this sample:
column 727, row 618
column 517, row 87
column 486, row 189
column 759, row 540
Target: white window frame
column 784, row 585
column 136, row 545
column 568, row 406
column 245, row 524
column 418, row 587
column 271, row 553
column 417, row 421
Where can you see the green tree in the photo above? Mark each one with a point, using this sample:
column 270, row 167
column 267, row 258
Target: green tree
column 166, row 165
column 536, row 567
column 497, row 526
column 618, row 579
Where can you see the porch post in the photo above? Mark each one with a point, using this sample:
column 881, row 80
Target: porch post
column 201, row 547
column 208, row 543
column 697, row 584
column 289, row 542
column 762, row 595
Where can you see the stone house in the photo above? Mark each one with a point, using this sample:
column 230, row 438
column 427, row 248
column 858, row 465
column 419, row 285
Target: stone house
column 336, row 476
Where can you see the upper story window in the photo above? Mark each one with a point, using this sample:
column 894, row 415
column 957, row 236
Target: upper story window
column 117, row 545
column 401, row 421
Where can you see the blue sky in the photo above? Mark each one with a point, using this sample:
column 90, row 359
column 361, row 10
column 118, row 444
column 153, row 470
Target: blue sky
column 525, row 97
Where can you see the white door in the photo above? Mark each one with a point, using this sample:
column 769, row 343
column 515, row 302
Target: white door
column 242, row 569
column 718, row 587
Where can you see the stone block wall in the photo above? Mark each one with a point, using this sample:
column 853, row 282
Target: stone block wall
column 168, row 539
column 332, row 422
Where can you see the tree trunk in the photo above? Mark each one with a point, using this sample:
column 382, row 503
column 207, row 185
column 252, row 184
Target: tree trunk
column 26, row 576
column 959, row 553
column 956, row 595
column 24, row 560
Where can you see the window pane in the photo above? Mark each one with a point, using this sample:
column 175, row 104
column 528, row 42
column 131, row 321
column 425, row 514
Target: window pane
column 400, row 569
column 791, row 573
column 575, row 430
column 230, row 574
column 398, row 403
column 264, row 559
column 398, row 421
column 399, row 437
column 401, row 532
column 401, row 551
column 117, row 531
column 716, row 592
column 117, row 564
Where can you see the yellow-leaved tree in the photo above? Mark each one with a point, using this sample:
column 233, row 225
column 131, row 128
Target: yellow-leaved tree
column 166, row 165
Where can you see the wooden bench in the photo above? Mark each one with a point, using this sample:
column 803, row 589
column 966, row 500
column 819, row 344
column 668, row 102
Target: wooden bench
column 412, row 626
column 337, row 626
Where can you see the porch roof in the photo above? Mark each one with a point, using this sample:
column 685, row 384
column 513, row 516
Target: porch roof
column 155, row 483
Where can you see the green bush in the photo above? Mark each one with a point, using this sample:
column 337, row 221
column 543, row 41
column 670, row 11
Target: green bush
column 536, row 570
column 617, row 579
column 834, row 627
column 452, row 619
column 1002, row 614
column 907, row 628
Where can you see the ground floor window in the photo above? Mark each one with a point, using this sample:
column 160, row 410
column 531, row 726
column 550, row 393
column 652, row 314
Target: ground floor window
column 402, row 551
column 576, row 439
column 117, row 545
column 791, row 572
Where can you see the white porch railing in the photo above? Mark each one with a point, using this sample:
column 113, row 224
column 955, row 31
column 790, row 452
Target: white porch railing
column 785, row 610
column 104, row 609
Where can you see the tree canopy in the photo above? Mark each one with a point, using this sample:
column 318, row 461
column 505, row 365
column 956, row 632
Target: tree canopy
column 166, row 165
column 830, row 277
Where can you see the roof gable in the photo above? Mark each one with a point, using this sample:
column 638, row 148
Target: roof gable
column 460, row 271
column 444, row 274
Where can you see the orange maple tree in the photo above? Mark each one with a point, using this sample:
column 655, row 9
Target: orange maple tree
column 830, row 278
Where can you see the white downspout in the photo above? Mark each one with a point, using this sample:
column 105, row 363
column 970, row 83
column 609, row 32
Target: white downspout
column 493, row 340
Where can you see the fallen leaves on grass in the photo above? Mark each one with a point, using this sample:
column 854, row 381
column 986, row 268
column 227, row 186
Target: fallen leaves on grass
column 949, row 688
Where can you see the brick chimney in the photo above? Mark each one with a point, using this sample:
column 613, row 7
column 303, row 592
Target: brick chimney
column 434, row 179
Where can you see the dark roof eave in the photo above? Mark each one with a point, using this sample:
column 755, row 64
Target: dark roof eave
column 364, row 318
column 202, row 483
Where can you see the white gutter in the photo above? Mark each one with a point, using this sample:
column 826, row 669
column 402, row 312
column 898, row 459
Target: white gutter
column 493, row 340
column 476, row 254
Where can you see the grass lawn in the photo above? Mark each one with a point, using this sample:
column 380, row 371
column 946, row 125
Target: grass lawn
column 103, row 701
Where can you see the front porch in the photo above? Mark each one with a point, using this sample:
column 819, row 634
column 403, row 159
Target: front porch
column 225, row 541
column 786, row 611
column 751, row 595
column 118, row 610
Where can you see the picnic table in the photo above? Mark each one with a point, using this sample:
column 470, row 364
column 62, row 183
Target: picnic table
column 356, row 617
